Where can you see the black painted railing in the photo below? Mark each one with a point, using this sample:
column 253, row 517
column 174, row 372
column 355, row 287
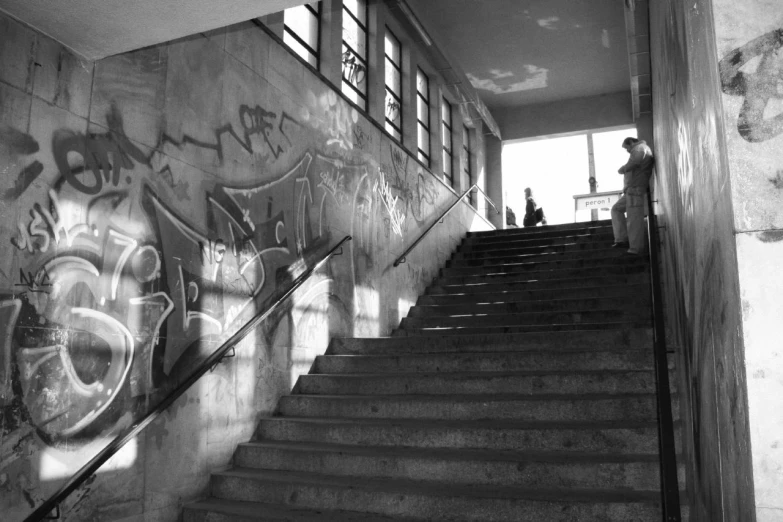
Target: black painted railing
column 440, row 219
column 670, row 490
column 44, row 511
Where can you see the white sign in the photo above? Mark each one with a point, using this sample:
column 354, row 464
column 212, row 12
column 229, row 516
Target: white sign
column 599, row 201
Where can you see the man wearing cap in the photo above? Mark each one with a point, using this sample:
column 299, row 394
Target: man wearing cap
column 629, row 233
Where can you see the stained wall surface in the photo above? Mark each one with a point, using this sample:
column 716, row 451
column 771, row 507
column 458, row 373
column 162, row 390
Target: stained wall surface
column 749, row 37
column 694, row 191
column 151, row 202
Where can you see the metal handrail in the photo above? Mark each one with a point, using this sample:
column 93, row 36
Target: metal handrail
column 670, row 490
column 401, row 259
column 53, row 502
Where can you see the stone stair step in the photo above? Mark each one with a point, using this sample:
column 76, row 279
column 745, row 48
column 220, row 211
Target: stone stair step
column 220, row 510
column 606, row 238
column 460, row 467
column 543, row 254
column 509, row 306
column 433, row 501
column 526, row 231
column 502, row 250
column 460, row 276
column 637, row 292
column 541, row 407
column 527, row 382
column 520, row 329
column 480, row 268
column 620, row 436
column 522, row 283
column 530, row 232
column 550, row 341
column 541, row 360
column 573, row 316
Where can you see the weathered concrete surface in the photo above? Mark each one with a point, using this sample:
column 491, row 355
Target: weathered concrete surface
column 700, row 259
column 749, row 37
column 150, row 203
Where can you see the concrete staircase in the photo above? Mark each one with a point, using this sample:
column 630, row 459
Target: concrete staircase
column 519, row 388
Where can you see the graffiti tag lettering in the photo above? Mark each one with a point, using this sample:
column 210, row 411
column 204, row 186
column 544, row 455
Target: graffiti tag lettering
column 382, row 188
column 758, row 87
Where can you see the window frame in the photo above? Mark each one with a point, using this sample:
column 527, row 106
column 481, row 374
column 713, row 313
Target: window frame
column 315, row 53
column 363, row 62
column 395, row 130
column 466, row 168
column 447, row 134
column 422, row 127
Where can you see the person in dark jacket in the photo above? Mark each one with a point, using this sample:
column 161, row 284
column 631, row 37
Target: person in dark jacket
column 531, row 216
column 629, row 232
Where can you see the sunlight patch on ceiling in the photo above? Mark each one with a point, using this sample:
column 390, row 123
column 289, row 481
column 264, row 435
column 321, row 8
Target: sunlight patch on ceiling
column 536, row 79
column 549, row 22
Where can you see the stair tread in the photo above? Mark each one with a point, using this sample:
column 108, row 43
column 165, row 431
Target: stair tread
column 482, row 374
column 476, row 397
column 432, row 488
column 479, row 423
column 264, row 511
column 457, row 454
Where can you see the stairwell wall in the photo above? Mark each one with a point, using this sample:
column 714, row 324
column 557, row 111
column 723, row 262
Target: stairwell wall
column 151, row 202
column 693, row 185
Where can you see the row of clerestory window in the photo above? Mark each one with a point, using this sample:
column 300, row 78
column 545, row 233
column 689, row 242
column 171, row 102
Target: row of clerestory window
column 301, row 33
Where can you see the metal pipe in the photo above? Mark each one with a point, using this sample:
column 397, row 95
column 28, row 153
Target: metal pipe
column 670, row 490
column 107, row 452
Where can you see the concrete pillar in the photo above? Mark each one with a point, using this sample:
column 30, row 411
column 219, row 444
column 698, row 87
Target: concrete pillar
column 376, row 89
column 332, row 40
column 494, row 179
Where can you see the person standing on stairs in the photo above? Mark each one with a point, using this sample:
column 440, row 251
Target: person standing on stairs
column 629, row 232
column 533, row 214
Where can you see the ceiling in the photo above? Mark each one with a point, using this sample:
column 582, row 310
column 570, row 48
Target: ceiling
column 98, row 28
column 522, row 52
column 514, row 52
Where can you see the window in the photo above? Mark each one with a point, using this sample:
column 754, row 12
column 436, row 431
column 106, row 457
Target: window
column 393, row 71
column 423, row 116
column 445, row 130
column 466, row 163
column 354, row 58
column 300, row 30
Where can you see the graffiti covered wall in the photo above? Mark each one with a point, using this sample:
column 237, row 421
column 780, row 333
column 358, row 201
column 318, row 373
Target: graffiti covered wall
column 693, row 189
column 749, row 39
column 151, row 202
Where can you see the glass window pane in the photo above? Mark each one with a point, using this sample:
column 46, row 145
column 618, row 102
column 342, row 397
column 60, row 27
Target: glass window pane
column 354, row 36
column 445, row 113
column 352, row 95
column 393, row 112
column 424, row 139
column 447, row 163
column 392, row 48
column 391, row 130
column 303, row 23
column 422, row 84
column 358, row 8
column 354, row 70
column 300, row 49
column 422, row 110
column 393, row 79
column 465, row 137
column 446, row 134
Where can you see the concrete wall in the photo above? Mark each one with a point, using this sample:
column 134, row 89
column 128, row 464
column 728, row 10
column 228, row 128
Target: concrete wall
column 151, row 202
column 694, row 190
column 578, row 114
column 749, row 37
